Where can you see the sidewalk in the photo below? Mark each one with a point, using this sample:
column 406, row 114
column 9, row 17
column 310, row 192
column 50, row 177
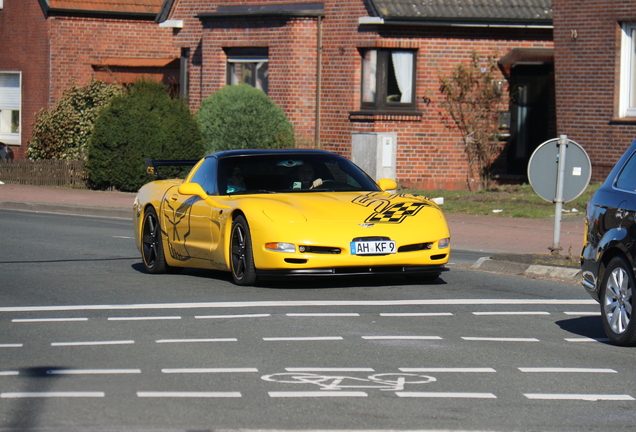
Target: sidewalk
column 501, row 237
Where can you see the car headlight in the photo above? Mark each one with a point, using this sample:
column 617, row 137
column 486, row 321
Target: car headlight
column 443, row 243
column 280, row 247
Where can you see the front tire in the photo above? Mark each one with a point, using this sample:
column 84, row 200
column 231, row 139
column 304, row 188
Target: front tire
column 241, row 257
column 617, row 302
column 152, row 246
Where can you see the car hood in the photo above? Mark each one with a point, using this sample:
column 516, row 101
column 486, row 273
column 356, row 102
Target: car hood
column 365, row 207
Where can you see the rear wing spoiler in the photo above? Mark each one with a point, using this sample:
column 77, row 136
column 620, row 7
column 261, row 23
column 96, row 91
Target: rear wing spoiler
column 152, row 166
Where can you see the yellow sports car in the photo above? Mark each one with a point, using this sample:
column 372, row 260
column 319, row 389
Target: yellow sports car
column 271, row 213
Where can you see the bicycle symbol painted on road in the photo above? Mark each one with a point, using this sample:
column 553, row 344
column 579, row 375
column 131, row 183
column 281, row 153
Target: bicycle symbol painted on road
column 383, row 381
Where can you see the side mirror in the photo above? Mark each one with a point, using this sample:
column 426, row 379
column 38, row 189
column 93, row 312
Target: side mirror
column 387, row 184
column 193, row 189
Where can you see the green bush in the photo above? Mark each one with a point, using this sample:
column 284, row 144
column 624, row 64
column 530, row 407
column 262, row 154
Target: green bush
column 243, row 117
column 143, row 123
column 63, row 131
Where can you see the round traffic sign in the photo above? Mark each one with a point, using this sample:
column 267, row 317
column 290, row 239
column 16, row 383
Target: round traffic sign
column 543, row 170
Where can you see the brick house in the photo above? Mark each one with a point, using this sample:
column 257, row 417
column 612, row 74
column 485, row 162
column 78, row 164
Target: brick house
column 362, row 76
column 357, row 77
column 595, row 67
column 50, row 44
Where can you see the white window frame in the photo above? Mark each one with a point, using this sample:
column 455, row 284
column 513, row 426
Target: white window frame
column 257, row 63
column 627, row 98
column 11, row 100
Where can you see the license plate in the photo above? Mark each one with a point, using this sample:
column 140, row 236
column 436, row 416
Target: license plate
column 376, row 247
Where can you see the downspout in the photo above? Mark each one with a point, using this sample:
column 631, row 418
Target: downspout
column 317, row 143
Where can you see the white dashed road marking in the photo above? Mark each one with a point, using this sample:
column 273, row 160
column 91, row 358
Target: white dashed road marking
column 308, row 338
column 159, row 341
column 327, row 369
column 415, row 314
column 93, row 343
column 186, row 394
column 452, row 395
column 401, row 337
column 232, row 316
column 444, row 370
column 566, row 370
column 35, row 320
column 584, row 397
column 499, row 339
column 144, row 318
column 313, row 394
column 92, row 371
column 208, row 370
column 15, row 395
column 510, row 313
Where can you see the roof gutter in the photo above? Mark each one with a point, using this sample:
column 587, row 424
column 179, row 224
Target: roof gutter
column 539, row 24
column 287, row 10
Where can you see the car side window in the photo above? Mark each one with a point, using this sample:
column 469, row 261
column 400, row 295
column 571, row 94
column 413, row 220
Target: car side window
column 206, row 176
column 626, row 179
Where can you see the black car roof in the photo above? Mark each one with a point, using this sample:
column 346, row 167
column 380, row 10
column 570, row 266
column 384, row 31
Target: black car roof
column 264, row 152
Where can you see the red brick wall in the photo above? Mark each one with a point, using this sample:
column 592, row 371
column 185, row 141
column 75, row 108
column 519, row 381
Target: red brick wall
column 587, row 62
column 25, row 48
column 429, row 155
column 79, row 43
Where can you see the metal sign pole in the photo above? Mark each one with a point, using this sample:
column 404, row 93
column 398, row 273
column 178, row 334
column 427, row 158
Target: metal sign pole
column 558, row 212
column 571, row 176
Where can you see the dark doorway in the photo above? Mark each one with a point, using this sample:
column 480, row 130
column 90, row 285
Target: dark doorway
column 532, row 113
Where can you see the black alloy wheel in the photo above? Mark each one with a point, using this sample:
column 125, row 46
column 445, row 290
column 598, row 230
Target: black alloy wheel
column 152, row 249
column 241, row 258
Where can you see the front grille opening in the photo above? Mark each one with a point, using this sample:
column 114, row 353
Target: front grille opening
column 295, row 261
column 438, row 257
column 415, row 247
column 370, row 270
column 319, row 250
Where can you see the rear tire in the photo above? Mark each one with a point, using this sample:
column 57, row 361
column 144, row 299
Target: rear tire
column 152, row 246
column 241, row 257
column 617, row 302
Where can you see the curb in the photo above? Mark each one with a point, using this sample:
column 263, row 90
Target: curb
column 75, row 210
column 531, row 270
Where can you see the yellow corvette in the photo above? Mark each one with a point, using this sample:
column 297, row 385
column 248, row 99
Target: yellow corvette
column 271, row 213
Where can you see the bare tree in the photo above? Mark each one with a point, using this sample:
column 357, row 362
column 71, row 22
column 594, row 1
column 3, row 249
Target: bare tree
column 472, row 100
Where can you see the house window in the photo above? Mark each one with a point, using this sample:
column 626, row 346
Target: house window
column 10, row 101
column 247, row 66
column 388, row 79
column 627, row 104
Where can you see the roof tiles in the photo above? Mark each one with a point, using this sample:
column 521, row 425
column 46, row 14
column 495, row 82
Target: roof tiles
column 524, row 10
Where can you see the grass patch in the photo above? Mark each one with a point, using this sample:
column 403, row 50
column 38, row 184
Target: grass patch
column 506, row 201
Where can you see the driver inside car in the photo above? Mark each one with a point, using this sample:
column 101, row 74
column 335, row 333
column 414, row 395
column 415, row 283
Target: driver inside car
column 305, row 178
column 235, row 182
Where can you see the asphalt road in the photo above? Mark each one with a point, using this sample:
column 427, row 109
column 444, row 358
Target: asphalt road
column 88, row 341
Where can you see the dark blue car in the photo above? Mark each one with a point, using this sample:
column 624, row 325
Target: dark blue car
column 608, row 258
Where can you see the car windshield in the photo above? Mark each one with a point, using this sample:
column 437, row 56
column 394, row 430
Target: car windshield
column 290, row 173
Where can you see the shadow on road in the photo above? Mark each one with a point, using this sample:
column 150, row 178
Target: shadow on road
column 313, row 282
column 27, row 410
column 589, row 326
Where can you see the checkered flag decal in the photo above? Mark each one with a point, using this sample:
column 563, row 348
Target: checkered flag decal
column 396, row 213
